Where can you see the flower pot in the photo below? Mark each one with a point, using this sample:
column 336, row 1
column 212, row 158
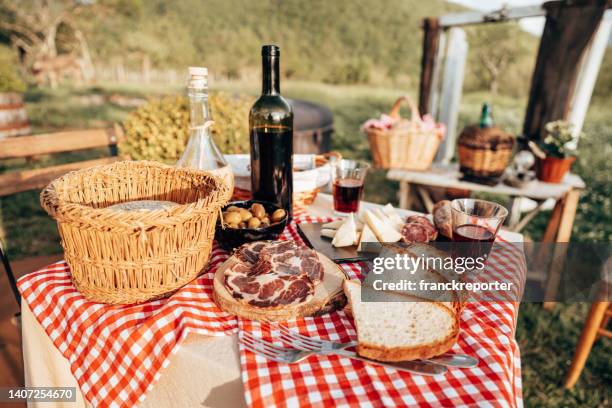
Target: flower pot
column 553, row 169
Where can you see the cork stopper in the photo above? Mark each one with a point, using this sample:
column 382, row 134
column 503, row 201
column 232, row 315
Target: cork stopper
column 198, row 77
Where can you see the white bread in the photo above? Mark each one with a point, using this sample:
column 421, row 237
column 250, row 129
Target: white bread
column 400, row 329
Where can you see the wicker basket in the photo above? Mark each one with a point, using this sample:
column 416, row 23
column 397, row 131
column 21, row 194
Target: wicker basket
column 406, row 145
column 484, row 152
column 302, row 198
column 122, row 257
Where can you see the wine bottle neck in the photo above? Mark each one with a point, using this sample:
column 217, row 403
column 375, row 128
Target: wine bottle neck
column 199, row 113
column 270, row 75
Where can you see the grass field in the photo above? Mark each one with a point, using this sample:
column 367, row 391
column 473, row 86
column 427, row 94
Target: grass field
column 547, row 339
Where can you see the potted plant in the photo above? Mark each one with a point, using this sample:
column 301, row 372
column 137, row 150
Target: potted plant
column 557, row 152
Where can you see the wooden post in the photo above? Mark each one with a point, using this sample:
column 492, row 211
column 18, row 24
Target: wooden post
column 452, row 85
column 568, row 30
column 431, row 42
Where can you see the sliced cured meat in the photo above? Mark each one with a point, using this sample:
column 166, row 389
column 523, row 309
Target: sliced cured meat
column 442, row 218
column 249, row 252
column 296, row 261
column 268, row 290
column 269, row 274
column 414, row 232
column 432, row 231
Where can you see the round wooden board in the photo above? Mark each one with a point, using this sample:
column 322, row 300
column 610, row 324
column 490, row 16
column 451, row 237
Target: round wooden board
column 328, row 296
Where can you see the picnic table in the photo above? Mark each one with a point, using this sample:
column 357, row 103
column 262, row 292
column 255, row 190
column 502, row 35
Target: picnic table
column 184, row 351
column 565, row 194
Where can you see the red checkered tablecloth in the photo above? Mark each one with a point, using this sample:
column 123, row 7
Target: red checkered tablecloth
column 116, row 352
column 487, row 331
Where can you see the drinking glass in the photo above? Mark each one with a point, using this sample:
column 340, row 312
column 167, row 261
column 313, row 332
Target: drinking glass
column 475, row 225
column 348, row 177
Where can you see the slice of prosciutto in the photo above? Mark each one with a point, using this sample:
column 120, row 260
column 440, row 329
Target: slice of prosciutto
column 273, row 273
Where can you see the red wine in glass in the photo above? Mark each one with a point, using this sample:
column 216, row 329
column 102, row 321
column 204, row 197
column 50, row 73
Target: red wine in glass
column 347, row 193
column 474, row 240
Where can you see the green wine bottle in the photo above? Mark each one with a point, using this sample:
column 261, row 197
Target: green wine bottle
column 486, row 119
column 271, row 128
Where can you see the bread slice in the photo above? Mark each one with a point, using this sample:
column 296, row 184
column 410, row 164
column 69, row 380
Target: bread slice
column 400, row 329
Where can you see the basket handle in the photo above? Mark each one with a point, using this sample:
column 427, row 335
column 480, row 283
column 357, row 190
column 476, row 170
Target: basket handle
column 395, row 109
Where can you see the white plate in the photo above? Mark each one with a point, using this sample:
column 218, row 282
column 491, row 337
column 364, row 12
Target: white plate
column 304, row 180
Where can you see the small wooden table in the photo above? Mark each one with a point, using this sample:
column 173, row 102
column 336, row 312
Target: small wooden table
column 559, row 228
column 565, row 194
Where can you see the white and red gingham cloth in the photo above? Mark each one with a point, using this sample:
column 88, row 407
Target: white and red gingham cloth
column 487, row 332
column 116, row 352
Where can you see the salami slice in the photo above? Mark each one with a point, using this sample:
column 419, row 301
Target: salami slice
column 413, row 232
column 432, row 231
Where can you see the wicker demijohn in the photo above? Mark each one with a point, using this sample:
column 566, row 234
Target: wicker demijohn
column 121, row 257
column 484, row 153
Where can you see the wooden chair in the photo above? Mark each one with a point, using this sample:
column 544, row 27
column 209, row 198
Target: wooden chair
column 31, row 146
column 594, row 326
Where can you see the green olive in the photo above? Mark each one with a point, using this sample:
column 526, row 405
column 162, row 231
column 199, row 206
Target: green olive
column 258, row 210
column 278, row 215
column 254, row 222
column 231, row 217
column 245, row 214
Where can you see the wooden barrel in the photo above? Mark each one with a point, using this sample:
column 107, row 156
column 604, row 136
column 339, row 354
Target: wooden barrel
column 13, row 116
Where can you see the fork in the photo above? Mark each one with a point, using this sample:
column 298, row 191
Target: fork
column 301, row 342
column 287, row 355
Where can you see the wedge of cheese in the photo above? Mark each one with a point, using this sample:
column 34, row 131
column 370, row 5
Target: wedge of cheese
column 346, row 234
column 383, row 217
column 367, row 236
column 328, row 232
column 383, row 231
column 392, row 214
column 333, row 225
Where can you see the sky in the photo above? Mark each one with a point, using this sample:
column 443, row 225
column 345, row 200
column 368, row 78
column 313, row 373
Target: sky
column 534, row 25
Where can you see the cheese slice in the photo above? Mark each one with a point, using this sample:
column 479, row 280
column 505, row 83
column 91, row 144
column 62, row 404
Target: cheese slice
column 346, row 234
column 327, row 232
column 366, row 236
column 383, row 232
column 387, row 220
column 333, row 225
column 358, row 225
column 392, row 214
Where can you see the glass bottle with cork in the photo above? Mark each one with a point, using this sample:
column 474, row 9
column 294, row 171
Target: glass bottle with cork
column 201, row 151
column 271, row 138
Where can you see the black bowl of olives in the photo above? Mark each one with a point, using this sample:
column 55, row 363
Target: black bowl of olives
column 248, row 221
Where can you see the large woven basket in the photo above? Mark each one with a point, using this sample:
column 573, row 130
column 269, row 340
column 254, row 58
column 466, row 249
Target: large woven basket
column 484, row 153
column 121, row 257
column 406, row 145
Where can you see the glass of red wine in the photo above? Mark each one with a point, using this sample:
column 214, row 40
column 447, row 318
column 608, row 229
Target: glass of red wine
column 348, row 177
column 475, row 226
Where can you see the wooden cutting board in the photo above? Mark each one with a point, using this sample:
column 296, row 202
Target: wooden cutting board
column 328, row 296
column 311, row 233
